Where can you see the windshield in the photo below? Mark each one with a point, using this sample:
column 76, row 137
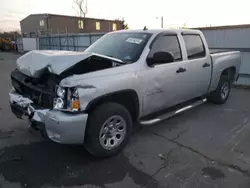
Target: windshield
column 121, row 45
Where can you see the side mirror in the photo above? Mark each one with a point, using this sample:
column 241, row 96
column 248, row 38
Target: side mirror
column 160, row 58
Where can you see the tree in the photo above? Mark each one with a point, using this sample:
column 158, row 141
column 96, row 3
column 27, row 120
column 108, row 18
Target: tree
column 81, row 10
column 184, row 26
column 10, row 34
column 81, row 7
column 125, row 26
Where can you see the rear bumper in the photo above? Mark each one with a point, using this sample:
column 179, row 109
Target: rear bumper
column 61, row 127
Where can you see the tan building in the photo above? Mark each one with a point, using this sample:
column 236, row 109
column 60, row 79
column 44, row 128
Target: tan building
column 36, row 24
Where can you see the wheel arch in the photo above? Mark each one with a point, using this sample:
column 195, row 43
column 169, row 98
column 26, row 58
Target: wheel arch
column 230, row 73
column 128, row 98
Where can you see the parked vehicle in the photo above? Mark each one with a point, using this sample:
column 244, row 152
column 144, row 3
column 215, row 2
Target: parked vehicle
column 93, row 97
column 6, row 44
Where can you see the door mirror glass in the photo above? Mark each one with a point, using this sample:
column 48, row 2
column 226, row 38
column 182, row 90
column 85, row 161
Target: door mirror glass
column 160, row 58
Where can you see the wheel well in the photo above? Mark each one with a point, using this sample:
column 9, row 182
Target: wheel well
column 230, row 73
column 127, row 98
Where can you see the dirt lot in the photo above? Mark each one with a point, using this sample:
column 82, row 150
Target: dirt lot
column 206, row 147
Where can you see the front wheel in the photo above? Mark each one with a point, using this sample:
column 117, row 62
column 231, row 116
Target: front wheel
column 108, row 131
column 222, row 92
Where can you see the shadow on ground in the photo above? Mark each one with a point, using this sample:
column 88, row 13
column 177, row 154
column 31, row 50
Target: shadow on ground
column 46, row 163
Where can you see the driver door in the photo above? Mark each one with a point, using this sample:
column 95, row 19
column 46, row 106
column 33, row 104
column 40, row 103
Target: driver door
column 162, row 84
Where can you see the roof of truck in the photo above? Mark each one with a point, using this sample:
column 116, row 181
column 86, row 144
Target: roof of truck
column 156, row 31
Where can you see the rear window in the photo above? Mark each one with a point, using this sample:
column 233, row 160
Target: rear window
column 195, row 47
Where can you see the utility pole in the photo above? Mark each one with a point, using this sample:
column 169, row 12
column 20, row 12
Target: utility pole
column 162, row 22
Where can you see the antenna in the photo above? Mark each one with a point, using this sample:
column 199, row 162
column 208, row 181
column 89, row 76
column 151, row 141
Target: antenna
column 145, row 28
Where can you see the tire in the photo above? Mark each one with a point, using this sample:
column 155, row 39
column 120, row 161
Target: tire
column 99, row 129
column 221, row 94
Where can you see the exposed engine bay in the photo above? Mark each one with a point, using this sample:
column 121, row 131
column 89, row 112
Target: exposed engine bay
column 91, row 64
column 42, row 90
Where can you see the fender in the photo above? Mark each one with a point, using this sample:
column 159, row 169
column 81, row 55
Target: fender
column 133, row 106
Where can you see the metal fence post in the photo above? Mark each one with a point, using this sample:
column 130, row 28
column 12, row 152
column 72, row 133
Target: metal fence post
column 90, row 41
column 67, row 37
column 73, row 38
column 60, row 42
column 49, row 42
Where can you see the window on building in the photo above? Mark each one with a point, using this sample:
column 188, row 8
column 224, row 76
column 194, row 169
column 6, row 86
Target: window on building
column 97, row 26
column 194, row 46
column 114, row 27
column 41, row 22
column 80, row 24
column 168, row 43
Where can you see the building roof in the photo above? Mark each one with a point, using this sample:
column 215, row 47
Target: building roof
column 224, row 27
column 48, row 14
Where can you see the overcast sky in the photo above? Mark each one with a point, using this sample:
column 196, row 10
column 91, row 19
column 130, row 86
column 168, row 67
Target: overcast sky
column 137, row 13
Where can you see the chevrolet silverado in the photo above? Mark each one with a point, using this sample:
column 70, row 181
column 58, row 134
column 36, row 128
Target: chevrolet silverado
column 94, row 97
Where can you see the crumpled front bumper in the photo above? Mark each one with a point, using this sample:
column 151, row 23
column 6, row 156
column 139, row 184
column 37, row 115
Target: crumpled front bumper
column 61, row 127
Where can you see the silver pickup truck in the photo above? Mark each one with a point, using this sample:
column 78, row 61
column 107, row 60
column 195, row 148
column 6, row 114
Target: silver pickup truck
column 94, row 97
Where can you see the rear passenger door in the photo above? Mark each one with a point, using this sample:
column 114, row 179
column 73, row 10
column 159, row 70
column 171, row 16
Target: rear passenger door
column 198, row 65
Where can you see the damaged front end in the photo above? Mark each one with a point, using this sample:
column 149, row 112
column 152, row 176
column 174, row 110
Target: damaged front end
column 39, row 90
column 37, row 94
column 57, row 125
column 39, row 81
column 22, row 106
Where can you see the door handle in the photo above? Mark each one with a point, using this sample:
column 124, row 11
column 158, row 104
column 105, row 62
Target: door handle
column 206, row 65
column 180, row 70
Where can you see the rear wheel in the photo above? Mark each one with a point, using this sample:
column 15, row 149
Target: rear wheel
column 222, row 92
column 108, row 131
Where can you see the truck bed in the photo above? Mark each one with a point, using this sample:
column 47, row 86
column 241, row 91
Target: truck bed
column 221, row 60
column 215, row 51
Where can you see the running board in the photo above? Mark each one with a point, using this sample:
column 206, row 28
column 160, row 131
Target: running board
column 172, row 113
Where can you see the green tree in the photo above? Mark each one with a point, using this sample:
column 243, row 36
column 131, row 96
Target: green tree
column 184, row 26
column 125, row 26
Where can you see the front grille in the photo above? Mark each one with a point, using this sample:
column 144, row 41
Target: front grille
column 40, row 96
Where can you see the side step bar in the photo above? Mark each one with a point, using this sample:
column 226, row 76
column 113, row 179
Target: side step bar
column 172, row 113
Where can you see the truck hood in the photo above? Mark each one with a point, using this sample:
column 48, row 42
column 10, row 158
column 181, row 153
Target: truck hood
column 35, row 62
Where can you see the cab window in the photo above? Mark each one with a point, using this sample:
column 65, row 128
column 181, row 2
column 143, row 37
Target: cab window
column 195, row 47
column 167, row 43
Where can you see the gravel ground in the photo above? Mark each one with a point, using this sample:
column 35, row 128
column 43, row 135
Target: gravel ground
column 205, row 147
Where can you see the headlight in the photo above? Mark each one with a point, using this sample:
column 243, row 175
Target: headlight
column 68, row 99
column 60, row 92
column 73, row 99
column 58, row 103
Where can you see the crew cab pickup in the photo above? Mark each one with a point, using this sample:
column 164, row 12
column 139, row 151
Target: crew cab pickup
column 94, row 97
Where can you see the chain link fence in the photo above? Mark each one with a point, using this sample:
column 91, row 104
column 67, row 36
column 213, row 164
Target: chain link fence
column 71, row 42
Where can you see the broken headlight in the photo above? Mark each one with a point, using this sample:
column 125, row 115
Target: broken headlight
column 58, row 103
column 60, row 92
column 73, row 102
column 67, row 99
